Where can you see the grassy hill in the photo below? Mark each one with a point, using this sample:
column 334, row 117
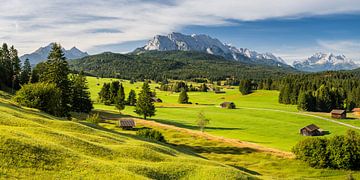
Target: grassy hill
column 173, row 65
column 37, row 145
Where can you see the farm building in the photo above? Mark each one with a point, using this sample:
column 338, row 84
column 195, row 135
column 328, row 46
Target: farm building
column 155, row 99
column 311, row 130
column 338, row 114
column 356, row 112
column 127, row 124
column 229, row 105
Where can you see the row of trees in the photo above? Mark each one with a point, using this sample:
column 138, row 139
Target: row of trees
column 12, row 75
column 182, row 86
column 113, row 93
column 338, row 152
column 53, row 76
column 321, row 92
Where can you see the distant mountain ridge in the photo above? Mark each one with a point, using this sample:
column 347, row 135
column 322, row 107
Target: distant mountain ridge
column 42, row 53
column 325, row 62
column 205, row 43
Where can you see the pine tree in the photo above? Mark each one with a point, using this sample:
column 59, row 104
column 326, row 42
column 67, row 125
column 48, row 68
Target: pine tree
column 80, row 96
column 145, row 105
column 323, row 99
column 25, row 74
column 56, row 71
column 104, row 94
column 131, row 101
column 183, row 97
column 306, row 101
column 15, row 68
column 6, row 66
column 245, row 87
column 114, row 89
column 120, row 98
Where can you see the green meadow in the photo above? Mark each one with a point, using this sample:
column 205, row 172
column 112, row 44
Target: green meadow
column 258, row 118
column 36, row 145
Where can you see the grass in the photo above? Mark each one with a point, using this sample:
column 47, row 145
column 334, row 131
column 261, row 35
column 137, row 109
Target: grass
column 36, row 145
column 259, row 118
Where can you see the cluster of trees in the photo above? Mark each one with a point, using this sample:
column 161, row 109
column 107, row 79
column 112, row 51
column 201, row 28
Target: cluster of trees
column 12, row 75
column 177, row 65
column 113, row 93
column 338, row 152
column 151, row 134
column 246, row 86
column 53, row 84
column 322, row 91
column 182, row 86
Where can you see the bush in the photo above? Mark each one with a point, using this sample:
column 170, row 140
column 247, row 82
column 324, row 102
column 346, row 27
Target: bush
column 151, row 134
column 94, row 118
column 42, row 96
column 338, row 152
column 231, row 106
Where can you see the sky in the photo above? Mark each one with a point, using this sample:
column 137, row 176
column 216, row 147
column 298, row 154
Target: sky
column 293, row 29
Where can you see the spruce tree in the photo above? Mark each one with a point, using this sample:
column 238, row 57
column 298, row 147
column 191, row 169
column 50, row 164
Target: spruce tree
column 104, row 94
column 25, row 74
column 131, row 101
column 120, row 98
column 245, row 87
column 114, row 89
column 56, row 71
column 80, row 96
column 145, row 105
column 183, row 97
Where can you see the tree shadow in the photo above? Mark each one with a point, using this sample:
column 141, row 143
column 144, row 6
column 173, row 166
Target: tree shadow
column 192, row 127
column 220, row 149
column 246, row 170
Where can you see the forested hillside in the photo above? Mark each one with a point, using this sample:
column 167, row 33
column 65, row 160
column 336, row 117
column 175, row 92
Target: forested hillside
column 157, row 65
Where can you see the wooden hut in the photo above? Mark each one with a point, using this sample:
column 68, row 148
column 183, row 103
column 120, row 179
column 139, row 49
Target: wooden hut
column 229, row 105
column 155, row 99
column 356, row 112
column 311, row 130
column 127, row 124
column 338, row 114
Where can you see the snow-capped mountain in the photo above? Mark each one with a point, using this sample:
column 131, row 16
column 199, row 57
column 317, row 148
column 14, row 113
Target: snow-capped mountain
column 207, row 44
column 42, row 53
column 325, row 62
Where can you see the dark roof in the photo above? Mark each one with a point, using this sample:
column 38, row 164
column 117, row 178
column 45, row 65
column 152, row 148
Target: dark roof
column 311, row 127
column 226, row 103
column 337, row 111
column 356, row 110
column 127, row 123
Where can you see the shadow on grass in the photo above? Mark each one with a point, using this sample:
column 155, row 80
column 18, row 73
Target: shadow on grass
column 184, row 151
column 192, row 127
column 246, row 170
column 220, row 149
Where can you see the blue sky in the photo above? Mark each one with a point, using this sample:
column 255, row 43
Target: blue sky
column 291, row 29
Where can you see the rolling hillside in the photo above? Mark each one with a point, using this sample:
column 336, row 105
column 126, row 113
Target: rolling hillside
column 158, row 65
column 42, row 146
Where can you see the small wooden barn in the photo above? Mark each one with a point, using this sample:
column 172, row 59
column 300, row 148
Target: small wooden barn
column 356, row 112
column 155, row 99
column 338, row 114
column 230, row 105
column 311, row 130
column 127, row 124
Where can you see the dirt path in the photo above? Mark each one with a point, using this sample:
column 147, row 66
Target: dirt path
column 304, row 114
column 229, row 141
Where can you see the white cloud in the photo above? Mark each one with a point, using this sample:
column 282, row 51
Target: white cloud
column 29, row 24
column 349, row 48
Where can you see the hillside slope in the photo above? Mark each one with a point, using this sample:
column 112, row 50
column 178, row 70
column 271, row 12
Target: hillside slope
column 183, row 65
column 34, row 144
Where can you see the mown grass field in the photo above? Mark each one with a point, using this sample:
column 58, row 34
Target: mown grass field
column 35, row 145
column 259, row 118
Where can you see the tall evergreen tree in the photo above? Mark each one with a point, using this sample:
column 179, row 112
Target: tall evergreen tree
column 104, row 94
column 6, row 66
column 145, row 105
column 25, row 74
column 306, row 101
column 57, row 71
column 323, row 99
column 245, row 87
column 120, row 98
column 114, row 89
column 80, row 96
column 183, row 97
column 131, row 101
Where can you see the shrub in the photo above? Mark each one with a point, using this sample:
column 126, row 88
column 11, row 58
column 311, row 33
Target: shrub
column 338, row 152
column 42, row 96
column 93, row 118
column 151, row 134
column 231, row 106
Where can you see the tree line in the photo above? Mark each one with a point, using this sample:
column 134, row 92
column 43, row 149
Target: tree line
column 49, row 87
column 321, row 91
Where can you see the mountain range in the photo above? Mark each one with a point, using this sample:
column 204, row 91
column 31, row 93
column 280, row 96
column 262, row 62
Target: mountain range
column 207, row 44
column 42, row 53
column 325, row 62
